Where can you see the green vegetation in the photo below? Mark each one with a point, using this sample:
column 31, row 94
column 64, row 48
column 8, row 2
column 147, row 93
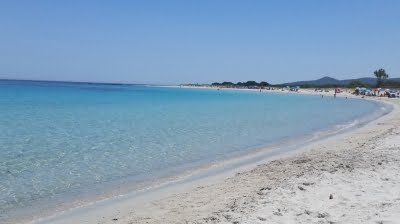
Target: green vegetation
column 242, row 84
column 355, row 84
column 382, row 81
column 311, row 86
column 391, row 84
column 381, row 76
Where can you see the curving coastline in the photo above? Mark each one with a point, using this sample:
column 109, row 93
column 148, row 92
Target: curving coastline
column 229, row 197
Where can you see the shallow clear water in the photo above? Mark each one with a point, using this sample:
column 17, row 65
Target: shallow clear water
column 62, row 139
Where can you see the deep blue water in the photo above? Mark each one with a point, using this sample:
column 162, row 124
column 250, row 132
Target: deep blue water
column 62, row 139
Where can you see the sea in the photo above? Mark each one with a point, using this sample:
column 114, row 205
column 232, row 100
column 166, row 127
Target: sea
column 61, row 141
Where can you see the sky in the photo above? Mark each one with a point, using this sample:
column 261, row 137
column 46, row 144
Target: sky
column 173, row 42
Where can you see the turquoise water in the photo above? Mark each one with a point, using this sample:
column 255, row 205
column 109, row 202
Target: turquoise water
column 60, row 140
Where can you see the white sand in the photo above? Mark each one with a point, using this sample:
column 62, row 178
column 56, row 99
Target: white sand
column 361, row 170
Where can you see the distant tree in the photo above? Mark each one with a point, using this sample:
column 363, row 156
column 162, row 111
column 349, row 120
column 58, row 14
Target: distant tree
column 243, row 84
column 381, row 76
column 251, row 83
column 227, row 84
column 356, row 83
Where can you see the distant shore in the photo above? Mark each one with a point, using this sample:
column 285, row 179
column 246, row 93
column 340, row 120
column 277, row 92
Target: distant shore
column 345, row 168
column 346, row 92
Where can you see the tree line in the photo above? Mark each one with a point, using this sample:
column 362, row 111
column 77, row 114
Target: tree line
column 352, row 84
column 380, row 74
column 242, row 84
column 381, row 81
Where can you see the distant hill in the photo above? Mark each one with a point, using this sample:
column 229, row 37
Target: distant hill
column 325, row 81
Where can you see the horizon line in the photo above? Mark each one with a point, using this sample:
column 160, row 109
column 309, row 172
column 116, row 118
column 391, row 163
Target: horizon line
column 153, row 84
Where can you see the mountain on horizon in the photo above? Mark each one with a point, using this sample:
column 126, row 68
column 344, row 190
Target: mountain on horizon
column 324, row 81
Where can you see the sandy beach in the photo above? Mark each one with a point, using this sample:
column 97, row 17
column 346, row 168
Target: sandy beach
column 200, row 112
column 349, row 178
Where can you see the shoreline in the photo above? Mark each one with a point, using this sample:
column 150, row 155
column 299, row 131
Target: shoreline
column 304, row 91
column 84, row 213
column 197, row 175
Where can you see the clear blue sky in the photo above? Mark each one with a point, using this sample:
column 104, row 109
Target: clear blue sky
column 198, row 41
